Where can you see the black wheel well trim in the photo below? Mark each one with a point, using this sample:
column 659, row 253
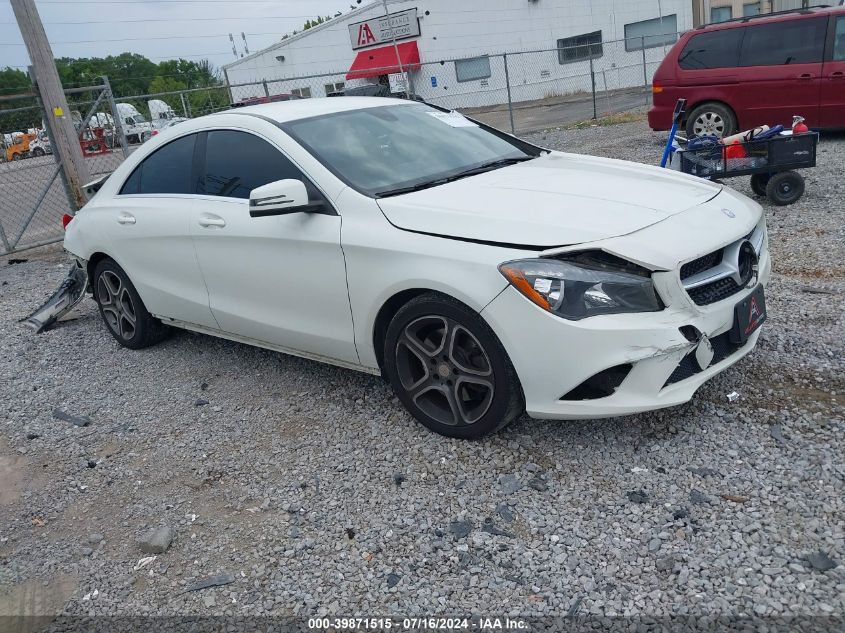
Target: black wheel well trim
column 385, row 315
column 691, row 109
column 390, row 307
column 91, row 266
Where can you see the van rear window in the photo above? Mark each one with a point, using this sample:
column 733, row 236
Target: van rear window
column 716, row 49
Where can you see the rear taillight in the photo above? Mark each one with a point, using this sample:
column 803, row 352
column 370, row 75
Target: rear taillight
column 656, row 89
column 66, row 219
column 155, row 133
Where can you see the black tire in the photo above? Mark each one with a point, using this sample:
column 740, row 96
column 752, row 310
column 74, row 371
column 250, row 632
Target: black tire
column 711, row 119
column 785, row 188
column 119, row 303
column 758, row 184
column 17, row 156
column 38, row 152
column 450, row 370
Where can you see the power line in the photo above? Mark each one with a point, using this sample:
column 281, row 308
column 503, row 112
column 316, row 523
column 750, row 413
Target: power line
column 174, row 57
column 153, row 1
column 215, row 19
column 142, row 39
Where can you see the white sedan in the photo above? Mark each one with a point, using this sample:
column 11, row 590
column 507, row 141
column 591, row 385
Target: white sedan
column 481, row 275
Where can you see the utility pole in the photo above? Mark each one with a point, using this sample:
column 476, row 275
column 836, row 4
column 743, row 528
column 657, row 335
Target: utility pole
column 396, row 47
column 53, row 98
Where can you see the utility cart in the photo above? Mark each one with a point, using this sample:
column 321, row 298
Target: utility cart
column 771, row 162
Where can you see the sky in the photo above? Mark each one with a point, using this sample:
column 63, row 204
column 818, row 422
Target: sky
column 161, row 29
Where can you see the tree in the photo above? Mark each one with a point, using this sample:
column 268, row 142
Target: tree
column 129, row 74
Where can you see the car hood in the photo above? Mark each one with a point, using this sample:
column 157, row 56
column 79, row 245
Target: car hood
column 555, row 200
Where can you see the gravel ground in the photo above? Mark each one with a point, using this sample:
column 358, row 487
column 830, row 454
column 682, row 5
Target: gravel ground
column 317, row 494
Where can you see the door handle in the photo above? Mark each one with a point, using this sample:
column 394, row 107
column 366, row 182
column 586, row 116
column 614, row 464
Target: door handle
column 837, row 75
column 126, row 218
column 805, row 76
column 208, row 221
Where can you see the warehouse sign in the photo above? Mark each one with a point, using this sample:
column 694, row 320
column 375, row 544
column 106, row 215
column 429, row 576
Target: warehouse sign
column 379, row 30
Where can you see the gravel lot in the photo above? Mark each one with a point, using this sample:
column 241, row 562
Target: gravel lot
column 318, row 494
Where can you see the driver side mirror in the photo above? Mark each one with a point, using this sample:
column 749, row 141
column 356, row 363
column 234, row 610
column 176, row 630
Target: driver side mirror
column 281, row 197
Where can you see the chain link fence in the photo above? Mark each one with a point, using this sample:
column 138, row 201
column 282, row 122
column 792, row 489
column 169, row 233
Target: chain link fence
column 33, row 192
column 520, row 92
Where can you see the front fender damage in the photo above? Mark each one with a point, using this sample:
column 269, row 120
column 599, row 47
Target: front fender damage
column 66, row 297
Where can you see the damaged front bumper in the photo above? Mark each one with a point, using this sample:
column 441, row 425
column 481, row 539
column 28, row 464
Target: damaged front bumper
column 66, row 297
column 615, row 365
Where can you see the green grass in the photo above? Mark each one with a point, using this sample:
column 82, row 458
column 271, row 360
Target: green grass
column 612, row 119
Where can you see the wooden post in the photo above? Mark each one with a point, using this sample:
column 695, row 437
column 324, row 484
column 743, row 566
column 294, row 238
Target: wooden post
column 53, row 98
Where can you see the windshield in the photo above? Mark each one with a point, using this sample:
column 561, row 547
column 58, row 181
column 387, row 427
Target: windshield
column 391, row 149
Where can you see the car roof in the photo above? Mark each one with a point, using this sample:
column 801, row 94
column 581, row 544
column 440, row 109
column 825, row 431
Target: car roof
column 767, row 18
column 283, row 111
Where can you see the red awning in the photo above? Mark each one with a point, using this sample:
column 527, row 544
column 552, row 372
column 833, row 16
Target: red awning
column 382, row 61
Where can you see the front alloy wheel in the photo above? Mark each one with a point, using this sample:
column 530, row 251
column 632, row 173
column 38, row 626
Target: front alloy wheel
column 445, row 370
column 449, row 368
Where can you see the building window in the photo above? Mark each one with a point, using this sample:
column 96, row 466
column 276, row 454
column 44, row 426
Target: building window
column 305, row 93
column 752, row 8
column 720, row 14
column 335, row 87
column 651, row 33
column 472, row 69
column 579, row 47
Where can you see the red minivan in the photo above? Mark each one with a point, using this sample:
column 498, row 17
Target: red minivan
column 752, row 71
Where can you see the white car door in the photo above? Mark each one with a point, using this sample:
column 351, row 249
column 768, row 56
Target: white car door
column 150, row 235
column 279, row 280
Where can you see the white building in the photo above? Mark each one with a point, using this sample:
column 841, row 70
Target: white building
column 452, row 50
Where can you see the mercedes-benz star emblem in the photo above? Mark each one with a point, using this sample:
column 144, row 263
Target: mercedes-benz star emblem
column 747, row 264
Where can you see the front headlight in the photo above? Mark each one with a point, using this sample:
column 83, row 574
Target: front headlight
column 584, row 284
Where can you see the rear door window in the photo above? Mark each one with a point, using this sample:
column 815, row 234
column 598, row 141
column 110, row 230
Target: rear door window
column 167, row 170
column 784, row 43
column 716, row 49
column 238, row 162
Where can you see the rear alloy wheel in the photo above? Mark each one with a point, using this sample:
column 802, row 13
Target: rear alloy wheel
column 449, row 369
column 711, row 119
column 122, row 309
column 785, row 188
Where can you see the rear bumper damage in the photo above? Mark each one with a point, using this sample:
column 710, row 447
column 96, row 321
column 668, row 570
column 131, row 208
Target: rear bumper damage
column 66, row 297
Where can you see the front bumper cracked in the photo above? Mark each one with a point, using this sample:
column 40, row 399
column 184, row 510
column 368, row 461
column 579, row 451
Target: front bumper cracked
column 552, row 356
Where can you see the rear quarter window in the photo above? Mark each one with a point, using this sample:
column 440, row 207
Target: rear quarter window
column 167, row 170
column 716, row 49
column 784, row 43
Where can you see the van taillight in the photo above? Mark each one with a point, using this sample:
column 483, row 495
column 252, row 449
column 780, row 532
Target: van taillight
column 656, row 89
column 66, row 219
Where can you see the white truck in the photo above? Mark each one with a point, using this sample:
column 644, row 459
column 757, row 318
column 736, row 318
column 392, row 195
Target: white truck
column 162, row 114
column 136, row 128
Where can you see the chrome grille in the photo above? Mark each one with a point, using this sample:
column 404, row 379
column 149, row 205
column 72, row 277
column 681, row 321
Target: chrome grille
column 701, row 264
column 716, row 276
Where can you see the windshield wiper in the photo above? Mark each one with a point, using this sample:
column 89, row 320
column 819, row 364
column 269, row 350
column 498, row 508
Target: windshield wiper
column 496, row 164
column 410, row 189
